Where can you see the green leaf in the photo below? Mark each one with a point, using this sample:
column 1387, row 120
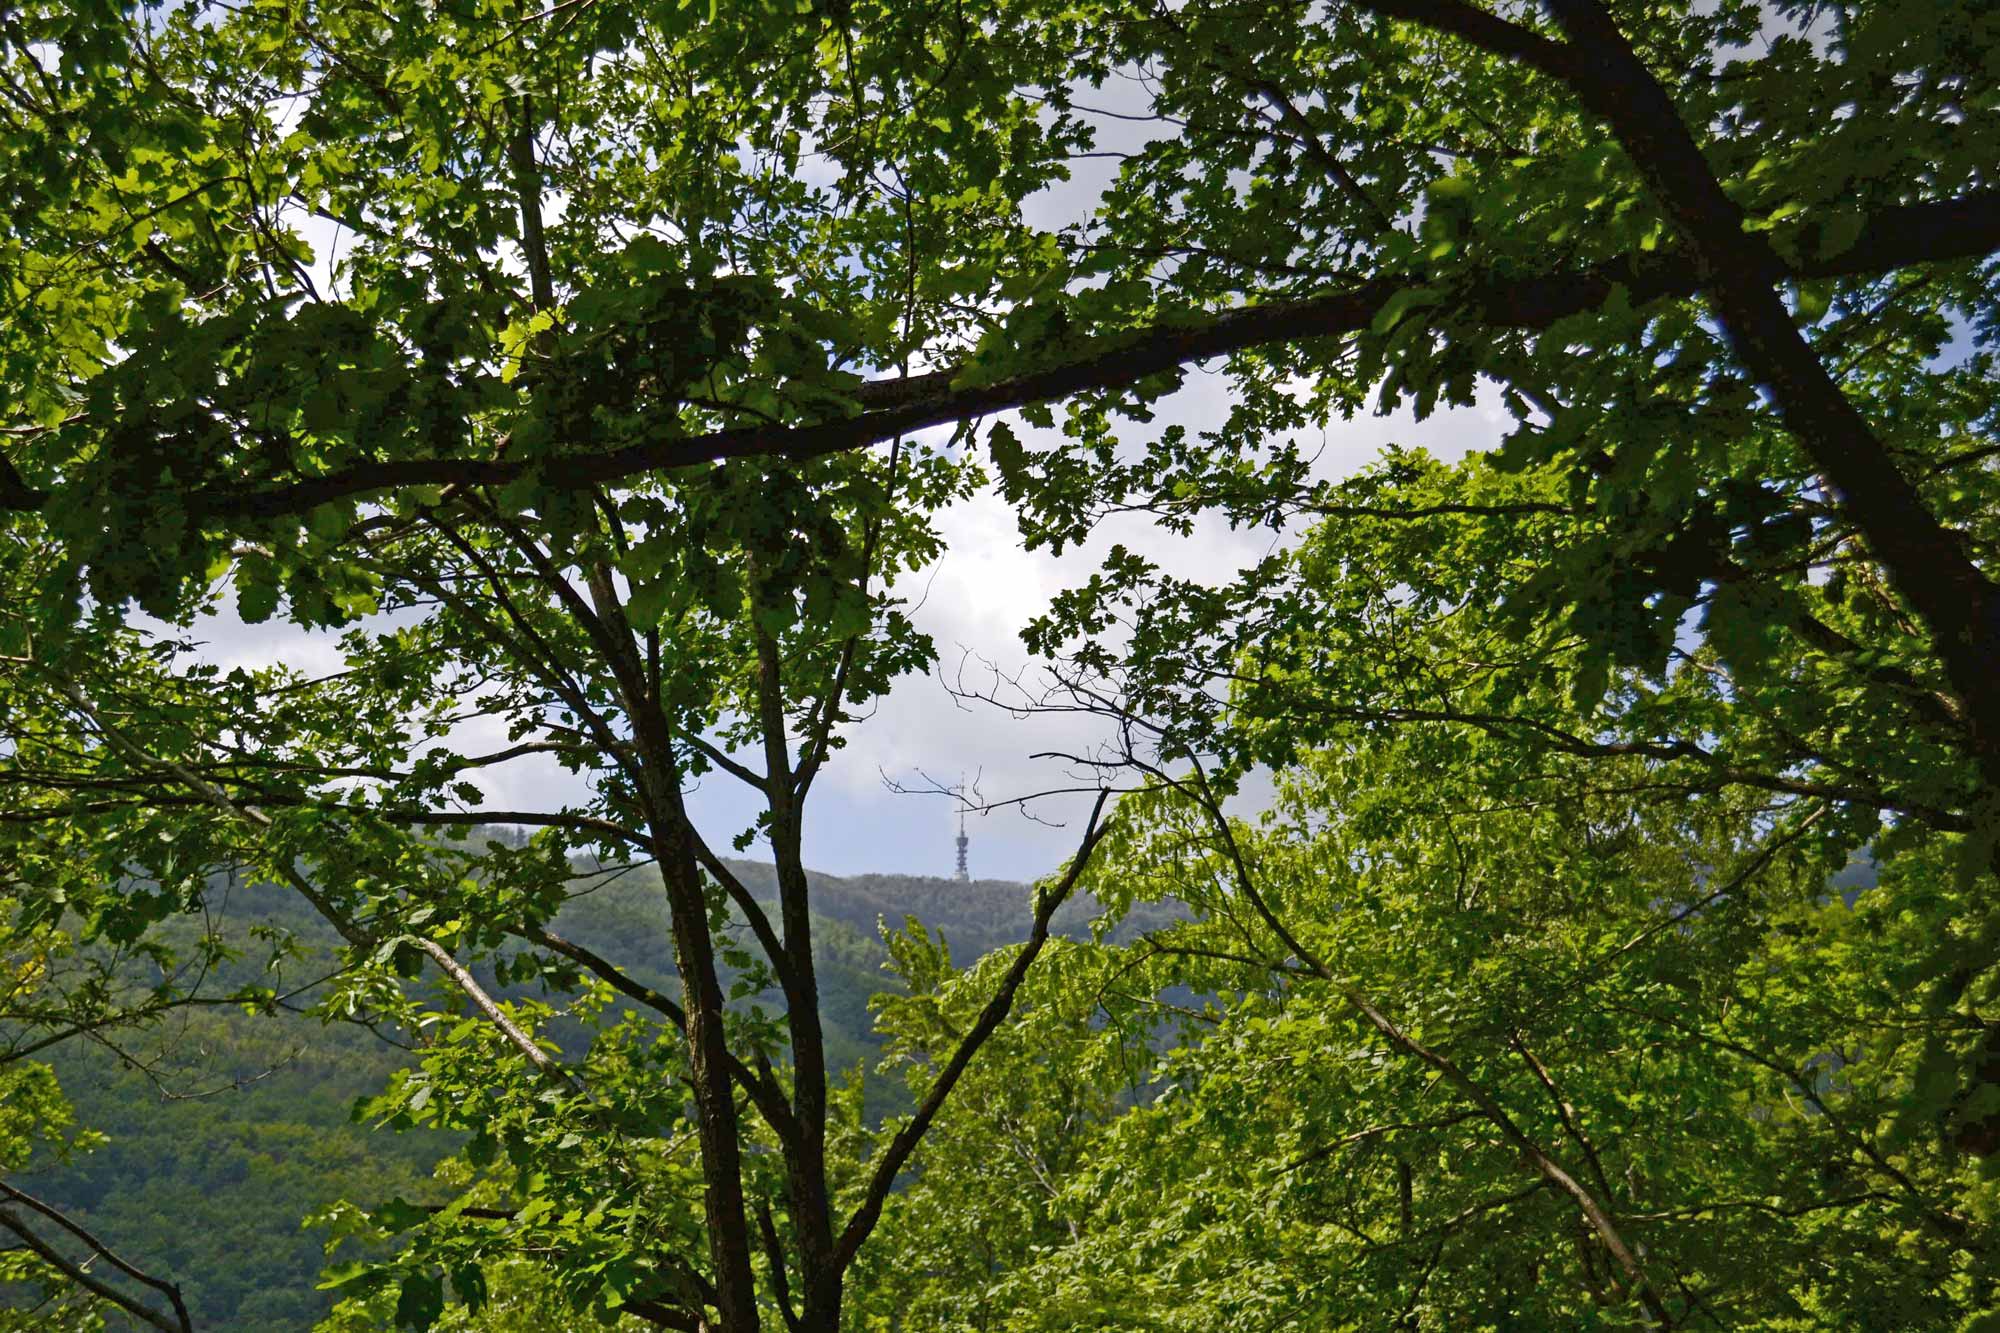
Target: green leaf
column 419, row 1301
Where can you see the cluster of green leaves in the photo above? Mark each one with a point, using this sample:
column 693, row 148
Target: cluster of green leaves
column 36, row 1120
column 1752, row 1071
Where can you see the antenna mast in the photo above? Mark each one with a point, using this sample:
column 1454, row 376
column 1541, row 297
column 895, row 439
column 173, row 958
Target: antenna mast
column 964, row 875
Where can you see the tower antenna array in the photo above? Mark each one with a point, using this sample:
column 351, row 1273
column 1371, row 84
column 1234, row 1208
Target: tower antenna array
column 964, row 875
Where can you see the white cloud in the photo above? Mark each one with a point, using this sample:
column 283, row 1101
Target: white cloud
column 975, row 603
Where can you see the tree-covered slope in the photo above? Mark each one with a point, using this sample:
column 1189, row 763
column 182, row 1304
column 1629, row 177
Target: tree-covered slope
column 223, row 1129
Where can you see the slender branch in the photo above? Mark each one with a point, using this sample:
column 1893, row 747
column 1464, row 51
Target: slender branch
column 743, row 773
column 1565, row 1113
column 890, row 1164
column 177, row 1323
column 171, row 1290
column 1594, row 1210
column 774, row 1256
column 1947, row 1224
column 764, row 1092
column 1754, row 866
column 257, row 819
column 1764, row 1206
column 1307, row 135
column 1376, row 1131
column 1665, row 751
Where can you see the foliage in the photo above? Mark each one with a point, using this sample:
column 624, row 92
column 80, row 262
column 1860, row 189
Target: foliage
column 599, row 435
column 229, row 1128
column 1452, row 969
column 960, row 1242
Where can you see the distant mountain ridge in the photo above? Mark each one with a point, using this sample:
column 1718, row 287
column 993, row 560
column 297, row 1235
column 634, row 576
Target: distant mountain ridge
column 977, row 916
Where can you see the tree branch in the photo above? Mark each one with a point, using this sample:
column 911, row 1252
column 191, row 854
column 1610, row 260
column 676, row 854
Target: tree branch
column 1738, row 271
column 177, row 1323
column 764, row 1092
column 1595, row 1211
column 528, row 193
column 1924, row 559
column 171, row 1290
column 990, row 1018
column 257, row 819
column 1941, row 232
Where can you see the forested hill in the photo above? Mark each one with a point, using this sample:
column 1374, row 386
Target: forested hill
column 977, row 916
column 225, row 1130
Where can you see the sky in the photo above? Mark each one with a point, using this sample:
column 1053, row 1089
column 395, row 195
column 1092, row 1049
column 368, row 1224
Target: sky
column 867, row 812
column 974, row 601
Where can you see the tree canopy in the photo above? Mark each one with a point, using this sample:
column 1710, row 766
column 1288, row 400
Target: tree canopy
column 600, row 371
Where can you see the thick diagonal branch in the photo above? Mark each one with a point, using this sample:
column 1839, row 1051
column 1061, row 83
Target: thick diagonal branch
column 1892, row 238
column 1739, row 272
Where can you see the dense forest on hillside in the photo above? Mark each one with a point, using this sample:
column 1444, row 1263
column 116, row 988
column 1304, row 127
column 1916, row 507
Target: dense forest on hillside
column 1485, row 512
column 222, row 1131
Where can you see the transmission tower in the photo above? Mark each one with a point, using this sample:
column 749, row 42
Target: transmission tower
column 964, row 875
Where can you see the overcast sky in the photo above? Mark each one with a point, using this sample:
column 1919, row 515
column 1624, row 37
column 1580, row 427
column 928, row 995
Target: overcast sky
column 974, row 602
